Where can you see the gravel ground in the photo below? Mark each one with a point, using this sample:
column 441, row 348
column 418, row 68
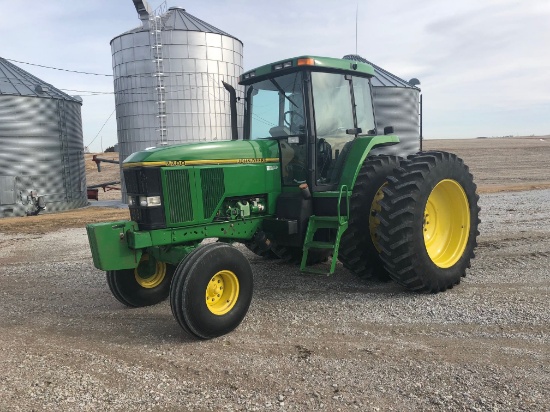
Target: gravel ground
column 307, row 343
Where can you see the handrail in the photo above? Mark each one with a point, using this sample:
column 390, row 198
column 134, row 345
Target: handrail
column 340, row 200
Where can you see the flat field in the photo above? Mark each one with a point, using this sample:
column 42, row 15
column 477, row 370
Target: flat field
column 308, row 342
column 504, row 164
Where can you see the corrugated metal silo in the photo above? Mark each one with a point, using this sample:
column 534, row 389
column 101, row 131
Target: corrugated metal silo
column 41, row 146
column 168, row 75
column 396, row 103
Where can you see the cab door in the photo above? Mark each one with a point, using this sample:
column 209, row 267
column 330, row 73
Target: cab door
column 277, row 111
column 342, row 107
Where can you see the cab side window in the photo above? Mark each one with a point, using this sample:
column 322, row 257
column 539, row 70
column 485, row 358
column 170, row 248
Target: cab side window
column 363, row 105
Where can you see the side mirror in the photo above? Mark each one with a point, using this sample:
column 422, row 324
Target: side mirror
column 354, row 131
column 388, row 130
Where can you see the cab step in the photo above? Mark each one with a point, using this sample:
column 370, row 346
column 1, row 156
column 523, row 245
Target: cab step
column 338, row 223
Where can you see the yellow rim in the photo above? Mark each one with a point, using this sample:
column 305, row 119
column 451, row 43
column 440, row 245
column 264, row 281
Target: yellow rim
column 222, row 292
column 151, row 280
column 446, row 223
column 375, row 208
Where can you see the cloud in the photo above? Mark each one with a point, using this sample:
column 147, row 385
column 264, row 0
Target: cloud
column 482, row 65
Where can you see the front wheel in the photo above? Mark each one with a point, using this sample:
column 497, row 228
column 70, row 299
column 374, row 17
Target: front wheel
column 211, row 291
column 146, row 285
column 429, row 221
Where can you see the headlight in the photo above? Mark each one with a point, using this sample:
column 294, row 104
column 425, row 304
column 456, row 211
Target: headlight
column 149, row 201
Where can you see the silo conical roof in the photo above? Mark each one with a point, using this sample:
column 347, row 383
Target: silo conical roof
column 17, row 82
column 382, row 78
column 178, row 19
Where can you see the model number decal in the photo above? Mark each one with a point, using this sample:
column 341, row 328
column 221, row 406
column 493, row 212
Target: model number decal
column 176, row 163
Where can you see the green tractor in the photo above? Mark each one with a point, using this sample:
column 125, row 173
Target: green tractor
column 300, row 186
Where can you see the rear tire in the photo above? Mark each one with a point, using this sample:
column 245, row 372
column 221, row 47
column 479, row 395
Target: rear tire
column 211, row 291
column 358, row 247
column 429, row 222
column 137, row 288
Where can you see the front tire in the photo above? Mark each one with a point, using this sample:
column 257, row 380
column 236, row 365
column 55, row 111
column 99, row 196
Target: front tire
column 211, row 291
column 143, row 286
column 429, row 222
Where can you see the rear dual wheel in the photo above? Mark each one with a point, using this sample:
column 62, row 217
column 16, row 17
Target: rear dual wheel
column 211, row 290
column 359, row 249
column 429, row 222
column 148, row 284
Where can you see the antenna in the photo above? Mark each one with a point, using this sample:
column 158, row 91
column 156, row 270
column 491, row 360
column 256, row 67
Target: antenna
column 356, row 13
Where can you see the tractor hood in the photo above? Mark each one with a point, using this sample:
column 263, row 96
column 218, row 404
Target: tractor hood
column 222, row 152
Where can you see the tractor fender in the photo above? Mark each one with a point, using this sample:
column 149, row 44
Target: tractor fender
column 359, row 151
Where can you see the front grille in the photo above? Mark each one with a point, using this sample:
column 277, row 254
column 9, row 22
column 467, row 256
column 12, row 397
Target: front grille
column 135, row 214
column 143, row 181
column 131, row 178
column 213, row 189
column 178, row 193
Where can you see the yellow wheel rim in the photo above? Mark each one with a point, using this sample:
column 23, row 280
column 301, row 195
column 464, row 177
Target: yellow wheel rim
column 374, row 222
column 446, row 225
column 222, row 292
column 149, row 280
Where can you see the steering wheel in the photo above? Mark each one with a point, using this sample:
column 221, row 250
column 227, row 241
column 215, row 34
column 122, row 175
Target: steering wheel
column 297, row 171
column 293, row 114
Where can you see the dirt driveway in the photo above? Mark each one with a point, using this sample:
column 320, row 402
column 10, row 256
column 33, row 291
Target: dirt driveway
column 307, row 343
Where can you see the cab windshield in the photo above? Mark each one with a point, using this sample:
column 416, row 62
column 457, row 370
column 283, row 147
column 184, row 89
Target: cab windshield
column 276, row 107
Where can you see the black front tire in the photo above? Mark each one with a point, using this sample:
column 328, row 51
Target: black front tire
column 132, row 290
column 202, row 307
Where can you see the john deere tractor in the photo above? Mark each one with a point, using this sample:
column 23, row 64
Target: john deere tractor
column 299, row 186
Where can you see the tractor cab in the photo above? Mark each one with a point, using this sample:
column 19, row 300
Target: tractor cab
column 315, row 108
column 320, row 112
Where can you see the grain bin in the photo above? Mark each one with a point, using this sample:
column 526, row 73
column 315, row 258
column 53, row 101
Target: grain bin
column 396, row 103
column 168, row 80
column 41, row 146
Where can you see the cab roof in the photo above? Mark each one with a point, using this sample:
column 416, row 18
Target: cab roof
column 307, row 62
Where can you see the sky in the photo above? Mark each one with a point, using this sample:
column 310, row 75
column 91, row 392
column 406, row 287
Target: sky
column 484, row 66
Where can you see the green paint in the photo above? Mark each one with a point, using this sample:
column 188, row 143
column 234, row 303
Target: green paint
column 358, row 153
column 223, row 150
column 321, row 64
column 111, row 251
column 238, row 180
column 108, row 242
column 172, row 254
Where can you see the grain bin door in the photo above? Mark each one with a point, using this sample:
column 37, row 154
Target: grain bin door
column 7, row 190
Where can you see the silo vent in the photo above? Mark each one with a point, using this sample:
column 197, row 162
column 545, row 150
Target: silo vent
column 41, row 89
